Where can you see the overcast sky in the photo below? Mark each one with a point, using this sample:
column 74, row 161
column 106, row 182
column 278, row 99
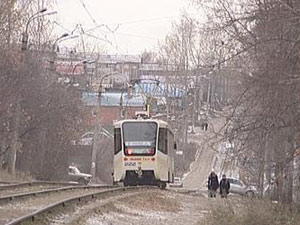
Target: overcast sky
column 132, row 25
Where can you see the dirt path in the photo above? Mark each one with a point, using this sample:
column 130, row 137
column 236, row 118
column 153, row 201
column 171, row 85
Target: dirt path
column 200, row 169
column 147, row 208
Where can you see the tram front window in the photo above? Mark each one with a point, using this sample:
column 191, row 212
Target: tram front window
column 139, row 138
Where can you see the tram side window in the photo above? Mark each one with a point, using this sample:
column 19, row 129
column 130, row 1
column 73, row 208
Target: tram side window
column 117, row 140
column 163, row 140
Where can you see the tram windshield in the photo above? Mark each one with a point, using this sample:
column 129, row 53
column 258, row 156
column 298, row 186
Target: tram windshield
column 139, row 138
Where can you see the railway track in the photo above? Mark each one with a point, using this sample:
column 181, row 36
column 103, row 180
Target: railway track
column 36, row 206
column 13, row 206
column 30, row 187
column 7, row 185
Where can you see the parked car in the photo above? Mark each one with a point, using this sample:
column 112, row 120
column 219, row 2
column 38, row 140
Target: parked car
column 270, row 191
column 239, row 187
column 86, row 138
column 76, row 175
column 177, row 183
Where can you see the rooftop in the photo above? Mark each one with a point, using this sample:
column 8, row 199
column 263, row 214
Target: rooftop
column 112, row 99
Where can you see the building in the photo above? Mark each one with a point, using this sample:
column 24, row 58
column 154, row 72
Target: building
column 112, row 106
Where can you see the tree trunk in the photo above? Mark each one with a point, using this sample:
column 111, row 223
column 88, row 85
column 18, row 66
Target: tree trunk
column 261, row 172
column 15, row 143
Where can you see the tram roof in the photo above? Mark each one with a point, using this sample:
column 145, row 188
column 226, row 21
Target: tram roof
column 112, row 99
column 160, row 122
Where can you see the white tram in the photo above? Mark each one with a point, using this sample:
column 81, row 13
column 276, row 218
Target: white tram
column 143, row 152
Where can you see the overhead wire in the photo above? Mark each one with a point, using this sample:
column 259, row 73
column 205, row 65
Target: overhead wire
column 100, row 26
column 114, row 44
column 82, row 41
column 128, row 22
column 94, row 28
column 137, row 36
column 93, row 36
column 145, row 20
column 113, row 32
column 63, row 27
column 92, row 18
column 76, row 28
column 88, row 12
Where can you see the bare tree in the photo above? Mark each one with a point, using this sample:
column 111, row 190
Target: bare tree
column 266, row 33
column 39, row 116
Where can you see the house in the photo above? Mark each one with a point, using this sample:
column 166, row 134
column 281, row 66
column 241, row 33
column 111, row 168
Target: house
column 112, row 106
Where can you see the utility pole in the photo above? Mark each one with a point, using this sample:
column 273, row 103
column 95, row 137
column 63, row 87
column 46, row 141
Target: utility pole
column 98, row 128
column 208, row 95
column 25, row 33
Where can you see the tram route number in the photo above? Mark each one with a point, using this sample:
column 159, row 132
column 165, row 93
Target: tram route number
column 130, row 163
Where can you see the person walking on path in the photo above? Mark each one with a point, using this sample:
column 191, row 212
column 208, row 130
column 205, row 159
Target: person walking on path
column 213, row 184
column 224, row 186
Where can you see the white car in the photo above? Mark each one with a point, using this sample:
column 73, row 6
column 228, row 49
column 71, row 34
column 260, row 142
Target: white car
column 76, row 175
column 86, row 138
column 177, row 183
column 239, row 187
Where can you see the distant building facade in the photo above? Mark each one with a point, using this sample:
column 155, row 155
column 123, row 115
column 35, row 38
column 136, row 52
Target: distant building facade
column 114, row 106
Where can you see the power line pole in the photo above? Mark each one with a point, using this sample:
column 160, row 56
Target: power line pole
column 97, row 134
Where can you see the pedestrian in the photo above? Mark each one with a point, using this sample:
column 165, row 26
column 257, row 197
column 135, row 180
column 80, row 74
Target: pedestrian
column 224, row 186
column 204, row 126
column 213, row 184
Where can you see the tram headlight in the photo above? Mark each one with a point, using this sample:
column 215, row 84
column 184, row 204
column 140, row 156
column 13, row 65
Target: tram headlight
column 151, row 151
column 129, row 151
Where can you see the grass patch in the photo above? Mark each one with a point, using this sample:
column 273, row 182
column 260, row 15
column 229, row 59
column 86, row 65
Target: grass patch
column 152, row 201
column 250, row 212
column 17, row 177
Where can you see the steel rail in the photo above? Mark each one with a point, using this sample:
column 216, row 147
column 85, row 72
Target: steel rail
column 35, row 193
column 7, row 182
column 63, row 203
column 34, row 183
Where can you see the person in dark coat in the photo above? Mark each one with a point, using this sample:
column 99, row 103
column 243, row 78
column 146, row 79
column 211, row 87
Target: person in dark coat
column 224, row 187
column 213, row 184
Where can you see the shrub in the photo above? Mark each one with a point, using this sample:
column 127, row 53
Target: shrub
column 251, row 212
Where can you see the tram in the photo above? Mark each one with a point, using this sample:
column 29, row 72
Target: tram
column 143, row 152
